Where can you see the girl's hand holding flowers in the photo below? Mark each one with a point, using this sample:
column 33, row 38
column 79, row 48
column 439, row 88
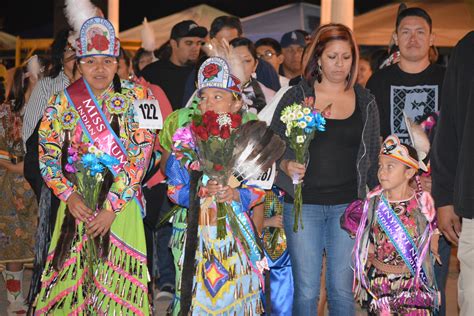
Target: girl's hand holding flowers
column 78, row 208
column 100, row 225
column 222, row 193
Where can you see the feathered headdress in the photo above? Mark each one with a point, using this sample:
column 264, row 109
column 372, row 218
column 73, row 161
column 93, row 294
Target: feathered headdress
column 92, row 33
column 418, row 140
column 393, row 147
column 256, row 149
column 148, row 37
column 223, row 50
column 215, row 73
column 97, row 37
column 77, row 12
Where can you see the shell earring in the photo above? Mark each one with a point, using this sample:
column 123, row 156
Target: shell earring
column 319, row 73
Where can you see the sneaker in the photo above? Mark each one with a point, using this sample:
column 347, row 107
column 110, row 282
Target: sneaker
column 165, row 293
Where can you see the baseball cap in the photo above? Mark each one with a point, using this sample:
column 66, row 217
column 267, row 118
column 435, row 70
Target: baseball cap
column 188, row 28
column 292, row 38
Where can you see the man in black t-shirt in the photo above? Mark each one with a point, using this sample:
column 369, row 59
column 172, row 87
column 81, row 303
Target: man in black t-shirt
column 412, row 86
column 171, row 74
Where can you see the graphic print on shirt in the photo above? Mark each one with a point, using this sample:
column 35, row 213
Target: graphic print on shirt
column 417, row 102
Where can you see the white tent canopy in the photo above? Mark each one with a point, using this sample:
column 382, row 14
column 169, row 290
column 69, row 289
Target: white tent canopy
column 202, row 14
column 7, row 41
column 451, row 21
column 274, row 23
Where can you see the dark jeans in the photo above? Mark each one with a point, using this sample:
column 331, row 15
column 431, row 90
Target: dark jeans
column 441, row 272
column 158, row 237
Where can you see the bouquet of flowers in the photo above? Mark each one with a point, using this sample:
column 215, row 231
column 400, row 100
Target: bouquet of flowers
column 214, row 135
column 302, row 121
column 89, row 165
column 243, row 154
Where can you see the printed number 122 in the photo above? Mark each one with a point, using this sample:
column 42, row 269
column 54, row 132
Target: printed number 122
column 147, row 110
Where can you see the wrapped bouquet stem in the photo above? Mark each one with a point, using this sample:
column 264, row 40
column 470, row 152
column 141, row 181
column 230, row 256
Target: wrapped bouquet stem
column 302, row 121
column 301, row 156
column 223, row 208
column 89, row 188
column 90, row 167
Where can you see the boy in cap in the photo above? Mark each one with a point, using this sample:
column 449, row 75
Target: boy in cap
column 171, row 74
column 292, row 47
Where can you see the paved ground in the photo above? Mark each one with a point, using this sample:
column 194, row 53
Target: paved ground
column 451, row 292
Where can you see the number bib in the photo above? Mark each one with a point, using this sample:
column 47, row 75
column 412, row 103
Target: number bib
column 149, row 114
column 266, row 179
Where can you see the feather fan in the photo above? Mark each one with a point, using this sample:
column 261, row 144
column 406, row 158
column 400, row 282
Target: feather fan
column 256, row 149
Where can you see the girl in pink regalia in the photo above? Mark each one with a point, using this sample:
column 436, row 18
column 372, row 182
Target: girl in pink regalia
column 396, row 239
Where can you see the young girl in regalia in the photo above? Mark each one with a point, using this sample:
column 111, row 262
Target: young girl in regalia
column 396, row 241
column 218, row 276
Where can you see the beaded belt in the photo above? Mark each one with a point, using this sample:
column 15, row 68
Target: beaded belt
column 388, row 268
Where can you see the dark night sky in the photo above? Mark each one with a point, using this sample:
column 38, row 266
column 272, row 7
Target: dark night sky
column 35, row 18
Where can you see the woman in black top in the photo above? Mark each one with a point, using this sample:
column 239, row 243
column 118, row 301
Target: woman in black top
column 342, row 162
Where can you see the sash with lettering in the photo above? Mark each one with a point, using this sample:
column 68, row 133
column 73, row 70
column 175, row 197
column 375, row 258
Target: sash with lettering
column 400, row 238
column 94, row 123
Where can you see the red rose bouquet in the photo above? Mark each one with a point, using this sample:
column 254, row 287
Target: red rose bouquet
column 214, row 135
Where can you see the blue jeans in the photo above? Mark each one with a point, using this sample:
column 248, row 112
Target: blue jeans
column 322, row 231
